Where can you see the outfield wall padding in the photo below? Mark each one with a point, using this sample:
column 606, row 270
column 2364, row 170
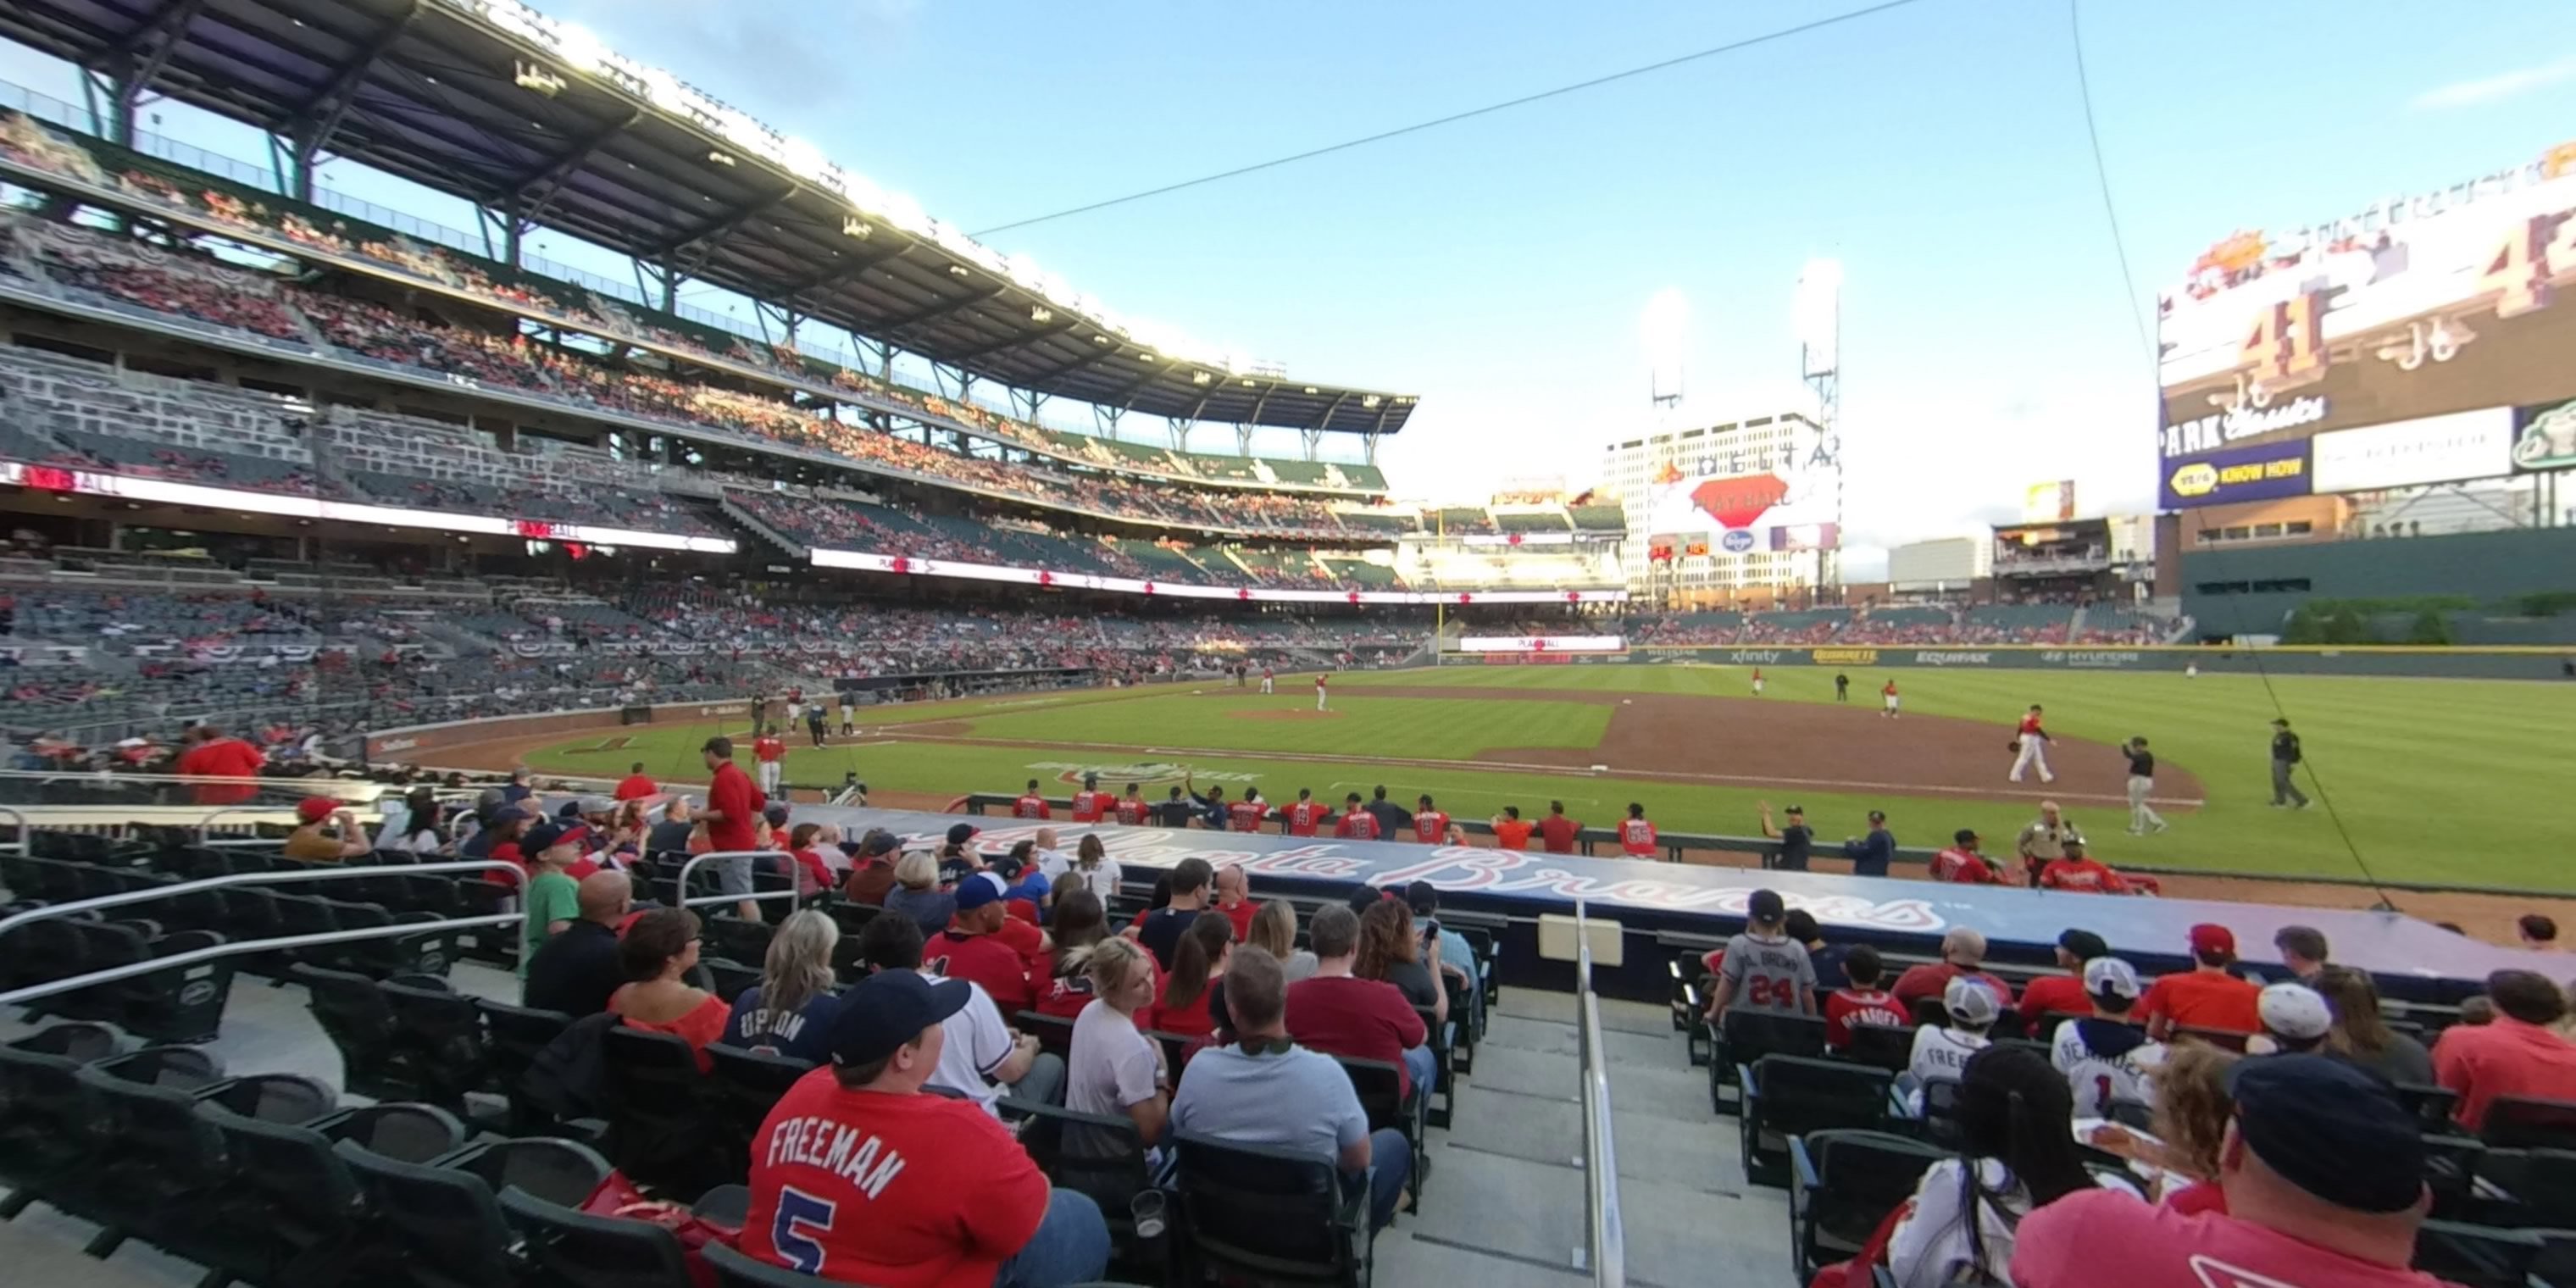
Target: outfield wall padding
column 2452, row 663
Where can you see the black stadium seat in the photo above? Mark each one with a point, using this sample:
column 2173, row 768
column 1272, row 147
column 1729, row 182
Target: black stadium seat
column 294, row 1213
column 1786, row 1096
column 1745, row 1036
column 1097, row 1155
column 738, row 1270
column 437, row 1040
column 577, row 1250
column 438, row 1224
column 747, row 1084
column 1842, row 1184
column 664, row 1126
column 1268, row 1216
column 2524, row 1122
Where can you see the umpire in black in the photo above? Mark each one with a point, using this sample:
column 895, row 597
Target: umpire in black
column 2285, row 764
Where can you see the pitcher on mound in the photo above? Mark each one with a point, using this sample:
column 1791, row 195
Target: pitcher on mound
column 2030, row 745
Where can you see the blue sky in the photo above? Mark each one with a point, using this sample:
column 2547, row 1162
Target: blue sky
column 1498, row 268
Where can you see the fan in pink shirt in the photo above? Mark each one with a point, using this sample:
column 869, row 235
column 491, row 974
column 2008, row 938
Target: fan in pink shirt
column 2324, row 1176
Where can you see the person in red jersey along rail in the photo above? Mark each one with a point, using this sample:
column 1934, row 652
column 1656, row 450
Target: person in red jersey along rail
column 2205, row 997
column 220, row 755
column 732, row 819
column 859, row 1177
column 1305, row 815
column 769, row 751
column 1355, row 824
column 2519, row 1054
column 1962, row 865
column 1861, row 1000
column 1637, row 835
column 2323, row 1172
column 636, row 785
column 1511, row 831
column 1090, row 805
column 1133, row 808
column 1323, row 691
column 1032, row 805
column 2074, row 871
column 1557, row 832
column 1432, row 826
column 1246, row 815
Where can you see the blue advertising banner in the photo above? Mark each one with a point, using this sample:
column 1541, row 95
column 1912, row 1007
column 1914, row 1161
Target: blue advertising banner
column 2259, row 473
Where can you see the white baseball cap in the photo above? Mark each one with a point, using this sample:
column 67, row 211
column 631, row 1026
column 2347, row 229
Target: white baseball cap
column 2112, row 976
column 2294, row 1011
column 1970, row 1002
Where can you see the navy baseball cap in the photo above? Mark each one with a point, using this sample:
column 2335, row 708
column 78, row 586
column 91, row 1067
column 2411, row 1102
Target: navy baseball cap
column 1766, row 905
column 506, row 814
column 960, row 833
column 977, row 890
column 889, row 1009
column 2330, row 1129
column 546, row 836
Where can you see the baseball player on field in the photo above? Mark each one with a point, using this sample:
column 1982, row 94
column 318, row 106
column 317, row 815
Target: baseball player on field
column 2030, row 748
column 1887, row 695
column 1757, row 681
column 1323, row 690
column 1266, row 674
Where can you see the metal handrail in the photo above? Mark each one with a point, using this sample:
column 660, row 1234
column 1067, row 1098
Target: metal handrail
column 26, row 838
column 156, row 893
column 176, row 961
column 682, row 884
column 1604, row 1237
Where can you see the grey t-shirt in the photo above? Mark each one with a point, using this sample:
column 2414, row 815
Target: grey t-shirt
column 1113, row 1065
column 1296, row 1100
column 1768, row 974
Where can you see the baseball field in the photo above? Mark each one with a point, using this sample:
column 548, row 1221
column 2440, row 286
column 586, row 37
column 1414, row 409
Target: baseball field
column 2447, row 781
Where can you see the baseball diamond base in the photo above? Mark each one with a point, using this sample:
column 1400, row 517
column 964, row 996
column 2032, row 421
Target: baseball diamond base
column 2411, row 959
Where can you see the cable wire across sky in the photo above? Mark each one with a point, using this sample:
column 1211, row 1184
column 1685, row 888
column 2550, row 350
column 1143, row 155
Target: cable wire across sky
column 1453, row 118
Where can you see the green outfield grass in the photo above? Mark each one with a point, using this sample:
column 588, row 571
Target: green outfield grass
column 2435, row 780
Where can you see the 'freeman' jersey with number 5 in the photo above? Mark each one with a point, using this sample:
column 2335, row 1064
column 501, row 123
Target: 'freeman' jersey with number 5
column 1768, row 973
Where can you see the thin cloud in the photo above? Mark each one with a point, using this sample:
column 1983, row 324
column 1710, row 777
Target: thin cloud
column 2493, row 89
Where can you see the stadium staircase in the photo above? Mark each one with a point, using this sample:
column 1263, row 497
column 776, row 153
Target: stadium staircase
column 1505, row 1207
column 742, row 518
column 2075, row 624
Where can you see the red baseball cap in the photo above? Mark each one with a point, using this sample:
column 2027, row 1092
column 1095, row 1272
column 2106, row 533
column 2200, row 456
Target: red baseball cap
column 2210, row 937
column 314, row 809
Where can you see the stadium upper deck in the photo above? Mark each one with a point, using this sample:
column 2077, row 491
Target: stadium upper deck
column 540, row 126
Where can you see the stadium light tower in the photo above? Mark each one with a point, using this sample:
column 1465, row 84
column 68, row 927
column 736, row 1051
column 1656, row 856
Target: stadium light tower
column 1665, row 330
column 1817, row 314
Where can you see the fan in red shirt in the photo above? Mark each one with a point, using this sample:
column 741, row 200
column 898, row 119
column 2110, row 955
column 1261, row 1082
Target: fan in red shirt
column 1963, row 952
column 2206, row 997
column 1432, row 827
column 1511, row 831
column 1556, row 832
column 1355, row 824
column 1863, row 1001
column 1338, row 1013
column 1962, row 864
column 1032, row 805
column 859, row 1177
column 636, row 785
column 1246, row 815
column 1133, row 808
column 1234, row 899
column 1302, row 818
column 2518, row 1054
column 734, row 806
column 1091, row 804
column 1636, row 835
column 2063, row 994
column 970, row 949
column 220, row 755
column 1182, row 997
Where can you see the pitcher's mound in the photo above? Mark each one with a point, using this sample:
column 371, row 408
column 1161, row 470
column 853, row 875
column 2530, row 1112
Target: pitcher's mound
column 1285, row 715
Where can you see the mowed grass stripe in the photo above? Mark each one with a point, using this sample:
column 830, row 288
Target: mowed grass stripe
column 1424, row 728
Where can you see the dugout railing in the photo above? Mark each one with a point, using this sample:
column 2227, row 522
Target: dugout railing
column 1591, row 840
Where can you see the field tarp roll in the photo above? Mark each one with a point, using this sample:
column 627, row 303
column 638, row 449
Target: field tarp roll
column 2453, row 663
